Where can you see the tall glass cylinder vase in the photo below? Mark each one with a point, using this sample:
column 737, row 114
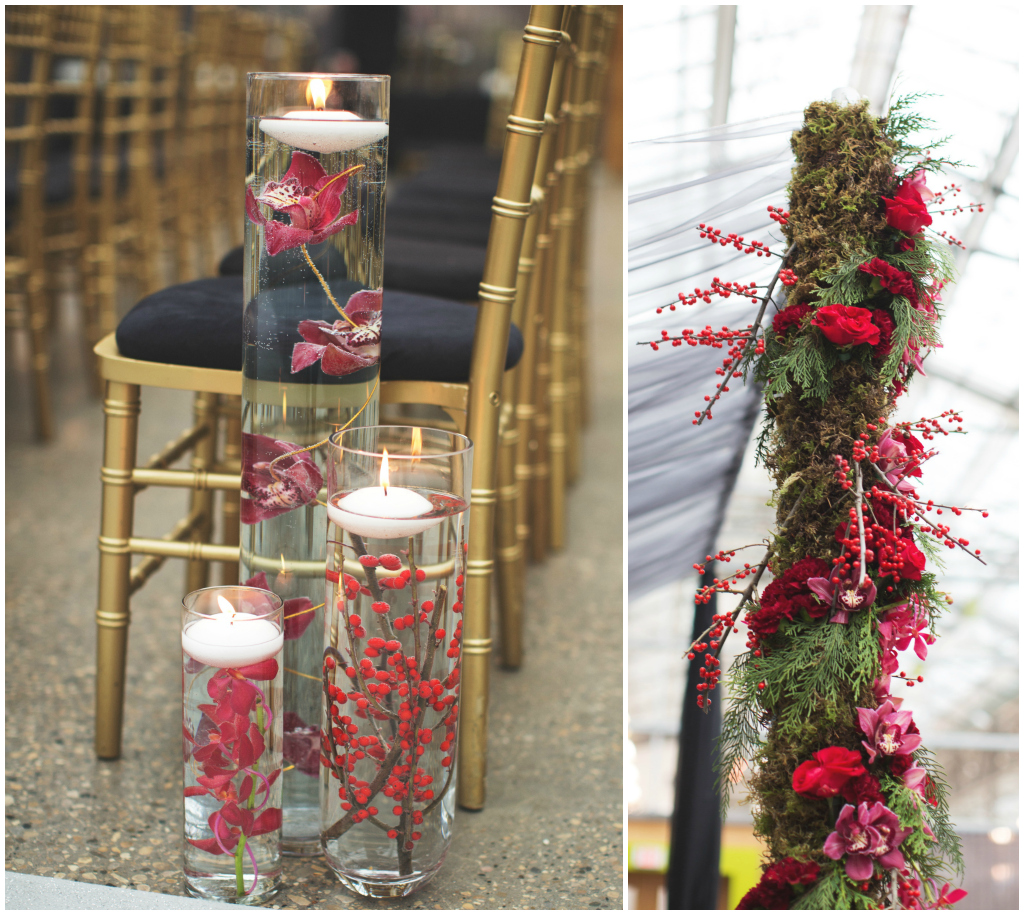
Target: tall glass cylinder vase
column 317, row 160
column 231, row 645
column 396, row 560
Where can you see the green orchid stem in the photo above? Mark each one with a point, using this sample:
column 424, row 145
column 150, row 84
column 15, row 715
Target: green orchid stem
column 327, row 288
column 239, row 876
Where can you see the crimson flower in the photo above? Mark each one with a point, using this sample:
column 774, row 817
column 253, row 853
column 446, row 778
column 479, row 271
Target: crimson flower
column 828, row 770
column 846, row 325
column 865, row 834
column 864, row 789
column 294, row 481
column 310, row 197
column 345, row 346
column 301, row 744
column 907, row 211
column 896, row 281
column 888, row 731
column 880, row 318
column 775, row 888
column 297, row 611
column 789, row 318
column 912, row 558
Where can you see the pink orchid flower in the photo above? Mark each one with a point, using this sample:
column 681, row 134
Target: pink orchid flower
column 865, row 834
column 894, row 460
column 887, row 730
column 917, row 181
column 881, row 687
column 851, row 597
column 310, row 197
column 294, row 482
column 903, row 626
column 344, row 346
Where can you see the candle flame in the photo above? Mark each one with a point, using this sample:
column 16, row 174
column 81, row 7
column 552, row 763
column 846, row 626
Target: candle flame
column 284, row 568
column 385, row 477
column 284, row 402
column 225, row 606
column 417, row 442
column 316, row 93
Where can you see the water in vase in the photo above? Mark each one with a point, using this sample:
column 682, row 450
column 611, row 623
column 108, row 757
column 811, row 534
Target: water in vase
column 317, row 161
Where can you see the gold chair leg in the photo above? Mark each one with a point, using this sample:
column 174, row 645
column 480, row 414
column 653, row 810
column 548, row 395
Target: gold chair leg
column 540, row 489
column 121, row 407
column 508, row 551
column 197, row 573
column 231, row 409
column 38, row 323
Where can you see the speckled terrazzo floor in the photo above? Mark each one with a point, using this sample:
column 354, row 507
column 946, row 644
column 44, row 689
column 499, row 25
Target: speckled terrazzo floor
column 550, row 836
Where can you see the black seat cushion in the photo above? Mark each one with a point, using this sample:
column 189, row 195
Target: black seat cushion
column 200, row 324
column 449, row 269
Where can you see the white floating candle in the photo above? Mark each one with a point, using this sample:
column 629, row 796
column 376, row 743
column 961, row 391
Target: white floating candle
column 231, row 639
column 324, row 131
column 382, row 511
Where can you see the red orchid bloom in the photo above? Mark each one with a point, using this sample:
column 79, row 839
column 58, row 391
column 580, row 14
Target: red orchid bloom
column 308, row 195
column 297, row 611
column 345, row 346
column 851, row 597
column 295, row 481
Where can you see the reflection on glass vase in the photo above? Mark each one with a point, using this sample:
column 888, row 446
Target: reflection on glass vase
column 317, row 161
column 396, row 548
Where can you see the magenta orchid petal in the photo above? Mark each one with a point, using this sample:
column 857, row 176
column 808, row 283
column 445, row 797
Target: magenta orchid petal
column 304, row 169
column 267, row 821
column 339, row 362
column 242, row 697
column 365, row 302
column 318, row 332
column 306, row 354
column 859, row 867
column 298, row 614
column 823, row 588
column 295, row 483
column 261, row 670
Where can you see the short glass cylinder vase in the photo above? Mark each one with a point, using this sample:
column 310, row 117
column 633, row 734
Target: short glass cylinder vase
column 231, row 648
column 396, row 561
column 316, row 167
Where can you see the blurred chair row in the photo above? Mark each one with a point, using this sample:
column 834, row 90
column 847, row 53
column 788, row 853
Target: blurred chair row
column 116, row 116
column 522, row 232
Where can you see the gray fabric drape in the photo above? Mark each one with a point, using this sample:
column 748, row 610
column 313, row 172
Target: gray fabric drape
column 681, row 475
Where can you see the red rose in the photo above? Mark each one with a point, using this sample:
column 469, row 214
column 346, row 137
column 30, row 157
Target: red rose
column 828, row 770
column 913, row 560
column 846, row 324
column 789, row 318
column 907, row 211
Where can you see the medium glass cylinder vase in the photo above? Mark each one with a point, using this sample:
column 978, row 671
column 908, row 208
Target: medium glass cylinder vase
column 396, row 560
column 231, row 646
column 317, row 160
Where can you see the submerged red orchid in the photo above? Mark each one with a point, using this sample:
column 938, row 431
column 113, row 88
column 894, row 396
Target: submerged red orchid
column 293, row 482
column 297, row 611
column 310, row 197
column 347, row 345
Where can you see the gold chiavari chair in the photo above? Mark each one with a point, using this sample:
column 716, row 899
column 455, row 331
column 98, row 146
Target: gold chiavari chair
column 125, row 233
column 518, row 438
column 564, row 237
column 577, row 403
column 480, row 400
column 51, row 64
column 27, row 37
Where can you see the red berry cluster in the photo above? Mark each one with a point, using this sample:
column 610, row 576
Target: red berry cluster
column 392, row 689
column 716, row 238
column 779, row 215
column 788, row 277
